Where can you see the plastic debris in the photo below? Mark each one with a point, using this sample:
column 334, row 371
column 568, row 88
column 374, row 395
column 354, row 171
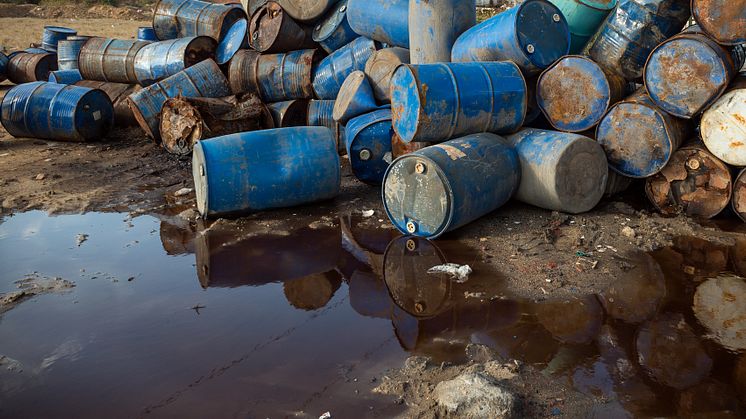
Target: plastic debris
column 459, row 272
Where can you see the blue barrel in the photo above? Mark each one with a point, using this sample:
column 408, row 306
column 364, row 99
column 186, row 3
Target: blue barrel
column 146, row 33
column 560, row 171
column 65, row 76
column 289, row 113
column 24, row 67
column 437, row 102
column 368, row 144
column 203, row 79
column 183, row 18
column 57, row 112
column 625, row 40
column 445, row 186
column 723, row 20
column 68, row 51
column 584, row 17
column 354, row 98
column 4, row 60
column 533, row 35
column 233, row 40
column 334, row 32
column 154, row 62
column 638, row 137
column 434, row 27
column 259, row 170
column 381, row 20
column 575, row 93
column 675, row 87
column 112, row 60
column 53, row 34
column 332, row 71
column 320, row 114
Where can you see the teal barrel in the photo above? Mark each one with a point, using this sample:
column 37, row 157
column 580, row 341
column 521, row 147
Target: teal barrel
column 259, row 170
column 584, row 17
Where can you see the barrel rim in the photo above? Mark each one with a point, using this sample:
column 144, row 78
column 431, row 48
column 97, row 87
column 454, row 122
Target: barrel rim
column 396, row 114
column 201, row 185
column 331, row 22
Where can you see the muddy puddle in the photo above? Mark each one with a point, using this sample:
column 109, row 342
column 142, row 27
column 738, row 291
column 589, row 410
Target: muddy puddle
column 255, row 319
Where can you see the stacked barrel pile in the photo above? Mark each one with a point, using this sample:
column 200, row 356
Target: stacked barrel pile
column 552, row 102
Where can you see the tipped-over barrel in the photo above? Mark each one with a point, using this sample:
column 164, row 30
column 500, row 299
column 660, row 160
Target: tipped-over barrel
column 156, row 61
column 368, row 144
column 723, row 125
column 332, row 71
column 381, row 20
column 434, row 27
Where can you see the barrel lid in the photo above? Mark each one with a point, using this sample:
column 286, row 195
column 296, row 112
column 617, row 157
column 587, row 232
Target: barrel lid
column 331, row 21
column 723, row 127
column 368, row 144
column 231, row 42
column 417, row 196
column 355, row 97
column 723, row 20
column 406, row 118
column 542, row 31
column 199, row 173
column 60, row 29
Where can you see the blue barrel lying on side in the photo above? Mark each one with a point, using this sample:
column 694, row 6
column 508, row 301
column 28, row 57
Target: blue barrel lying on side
column 583, row 18
column 321, row 114
column 334, row 32
column 533, row 35
column 159, row 60
column 437, row 102
column 56, row 112
column 381, row 20
column 68, row 51
column 106, row 59
column 332, row 71
column 259, row 170
column 65, row 76
column 203, row 79
column 445, row 186
column 3, row 66
column 434, row 26
column 54, row 34
column 368, row 144
column 146, row 33
column 183, row 18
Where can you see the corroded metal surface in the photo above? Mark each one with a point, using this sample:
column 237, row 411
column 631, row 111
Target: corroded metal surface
column 738, row 201
column 25, row 67
column 723, row 20
column 332, row 71
column 68, row 51
column 183, row 18
column 53, row 34
column 434, row 27
column 275, row 77
column 355, row 98
column 723, row 125
column 117, row 93
column 333, row 31
column 154, row 62
column 380, row 68
column 110, row 60
column 272, row 30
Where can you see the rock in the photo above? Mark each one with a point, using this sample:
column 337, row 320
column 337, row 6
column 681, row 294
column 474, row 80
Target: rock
column 189, row 214
column 628, row 232
column 183, row 192
column 474, row 395
column 480, row 353
column 40, row 176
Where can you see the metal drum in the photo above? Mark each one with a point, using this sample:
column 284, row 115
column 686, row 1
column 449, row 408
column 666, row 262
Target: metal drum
column 271, row 30
column 625, row 40
column 320, row 114
column 203, row 79
column 381, row 20
column 65, row 76
column 275, row 77
column 111, row 60
column 354, row 98
column 24, row 67
column 306, row 10
column 380, row 68
column 436, row 102
column 260, row 170
column 233, row 40
column 154, row 62
column 56, row 112
column 332, row 71
column 68, row 51
column 575, row 93
column 333, row 32
column 183, row 18
column 434, row 27
column 4, row 60
column 289, row 113
column 723, row 20
column 638, row 137
column 533, row 35
column 738, row 202
column 146, row 33
column 117, row 93
column 560, row 171
column 583, row 17
column 445, row 186
column 54, row 34
column 687, row 73
column 723, row 125
column 368, row 143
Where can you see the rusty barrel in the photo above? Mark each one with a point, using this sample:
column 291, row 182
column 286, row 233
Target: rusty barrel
column 718, row 305
column 583, row 18
column 638, row 137
column 158, row 60
column 320, row 114
column 616, row 183
column 560, row 171
column 533, row 34
column 275, row 77
column 724, row 21
column 184, row 18
column 53, row 34
column 203, row 79
column 117, row 93
column 289, row 113
column 306, row 10
column 723, row 125
column 384, row 21
column 259, row 170
column 436, row 102
column 333, row 31
column 445, row 186
column 68, row 51
column 575, row 93
column 272, row 30
column 65, row 76
column 56, row 112
column 625, row 40
column 400, row 148
column 368, row 144
column 354, row 98
column 146, row 33
column 738, row 201
column 380, row 68
column 434, row 27
column 687, row 73
column 107, row 59
column 332, row 71
column 694, row 182
column 24, row 67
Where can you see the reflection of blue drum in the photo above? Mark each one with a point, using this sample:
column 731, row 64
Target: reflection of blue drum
column 368, row 143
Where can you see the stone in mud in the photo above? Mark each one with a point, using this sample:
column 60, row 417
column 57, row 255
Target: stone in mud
column 474, row 395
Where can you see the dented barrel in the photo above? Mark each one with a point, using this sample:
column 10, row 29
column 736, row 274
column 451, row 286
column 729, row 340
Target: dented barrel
column 275, row 77
column 65, row 76
column 723, row 20
column 203, row 79
column 625, row 40
column 272, row 30
column 575, row 93
column 290, row 113
column 184, row 18
column 146, row 33
column 332, row 71
column 533, row 34
column 333, row 31
column 368, row 144
column 638, row 137
column 53, row 34
column 434, row 27
column 723, row 125
column 117, row 93
column 156, row 61
column 24, row 67
column 445, row 186
column 380, row 68
column 56, row 112
column 266, row 169
column 106, row 59
column 560, row 171
column 384, row 21
column 305, row 10
column 436, row 102
column 68, row 51
column 583, row 18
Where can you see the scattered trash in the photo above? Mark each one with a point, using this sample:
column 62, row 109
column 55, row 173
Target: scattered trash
column 183, row 191
column 368, row 213
column 325, row 415
column 40, row 176
column 80, row 239
column 460, row 272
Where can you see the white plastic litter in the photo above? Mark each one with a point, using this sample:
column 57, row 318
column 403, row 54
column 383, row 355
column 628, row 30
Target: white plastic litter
column 326, row 415
column 368, row 213
column 459, row 272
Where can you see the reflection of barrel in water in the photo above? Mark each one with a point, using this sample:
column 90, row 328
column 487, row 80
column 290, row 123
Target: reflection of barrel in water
column 312, row 292
column 720, row 306
column 636, row 294
column 367, row 245
column 232, row 256
column 177, row 239
column 571, row 320
column 702, row 258
column 368, row 295
column 738, row 256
